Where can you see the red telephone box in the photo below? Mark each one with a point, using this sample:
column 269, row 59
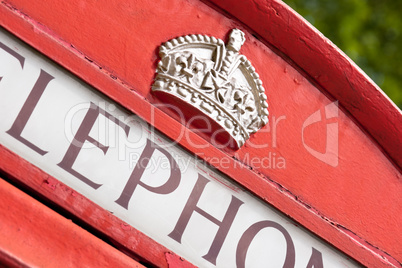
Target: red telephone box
column 190, row 133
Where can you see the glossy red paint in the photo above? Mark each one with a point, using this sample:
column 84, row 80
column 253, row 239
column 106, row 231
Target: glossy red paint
column 32, row 235
column 354, row 207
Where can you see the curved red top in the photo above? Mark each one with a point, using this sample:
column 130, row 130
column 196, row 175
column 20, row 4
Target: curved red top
column 326, row 65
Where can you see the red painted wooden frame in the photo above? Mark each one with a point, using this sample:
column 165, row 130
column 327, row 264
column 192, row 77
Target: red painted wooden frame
column 122, row 235
column 327, row 65
column 304, row 46
column 35, row 236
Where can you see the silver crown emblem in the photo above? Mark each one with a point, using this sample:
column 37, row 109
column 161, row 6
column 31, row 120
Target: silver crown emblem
column 216, row 80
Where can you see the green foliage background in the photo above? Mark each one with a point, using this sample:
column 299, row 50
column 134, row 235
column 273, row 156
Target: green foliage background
column 368, row 31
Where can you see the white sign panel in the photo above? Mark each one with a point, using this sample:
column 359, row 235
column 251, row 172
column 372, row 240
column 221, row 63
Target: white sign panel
column 82, row 138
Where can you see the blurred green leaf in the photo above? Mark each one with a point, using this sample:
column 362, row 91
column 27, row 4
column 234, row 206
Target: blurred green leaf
column 368, row 31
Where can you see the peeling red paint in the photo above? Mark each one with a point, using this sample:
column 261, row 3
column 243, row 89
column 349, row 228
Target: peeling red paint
column 51, row 183
column 175, row 261
column 125, row 226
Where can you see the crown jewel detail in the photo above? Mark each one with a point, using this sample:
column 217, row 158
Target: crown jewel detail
column 216, row 80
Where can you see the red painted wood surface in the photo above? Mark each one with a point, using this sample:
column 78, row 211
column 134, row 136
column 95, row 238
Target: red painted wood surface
column 113, row 46
column 126, row 238
column 329, row 67
column 33, row 235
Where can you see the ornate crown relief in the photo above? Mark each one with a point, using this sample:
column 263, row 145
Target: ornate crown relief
column 215, row 79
